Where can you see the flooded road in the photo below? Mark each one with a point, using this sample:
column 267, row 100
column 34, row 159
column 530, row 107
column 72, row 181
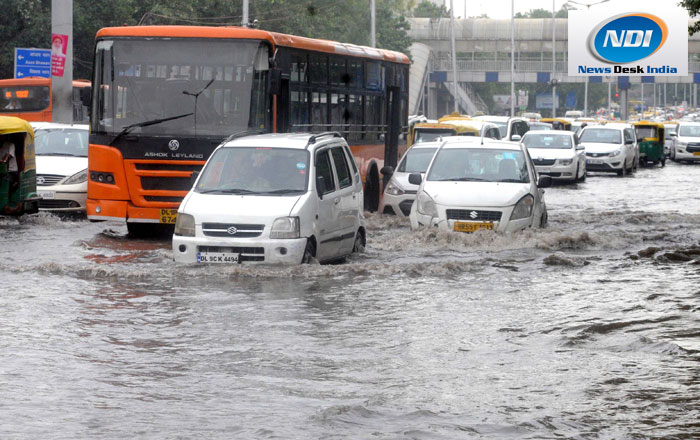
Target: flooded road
column 588, row 329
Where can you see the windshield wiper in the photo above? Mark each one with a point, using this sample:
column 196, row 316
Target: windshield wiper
column 228, row 191
column 57, row 154
column 282, row 191
column 463, row 179
column 196, row 97
column 128, row 128
column 512, row 180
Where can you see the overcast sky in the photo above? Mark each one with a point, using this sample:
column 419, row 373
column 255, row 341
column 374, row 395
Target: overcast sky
column 501, row 8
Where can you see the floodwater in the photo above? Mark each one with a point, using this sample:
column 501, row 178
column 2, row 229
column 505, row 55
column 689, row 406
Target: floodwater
column 588, row 329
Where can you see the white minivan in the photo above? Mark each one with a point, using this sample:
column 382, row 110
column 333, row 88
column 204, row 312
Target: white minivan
column 273, row 198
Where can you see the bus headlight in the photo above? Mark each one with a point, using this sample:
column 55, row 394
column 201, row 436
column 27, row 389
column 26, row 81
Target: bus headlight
column 79, row 177
column 285, row 227
column 184, row 225
column 523, row 209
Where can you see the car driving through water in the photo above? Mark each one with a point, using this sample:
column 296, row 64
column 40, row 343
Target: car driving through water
column 557, row 153
column 276, row 198
column 480, row 185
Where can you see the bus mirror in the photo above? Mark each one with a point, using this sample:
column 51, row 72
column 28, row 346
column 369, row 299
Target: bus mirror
column 262, row 61
column 275, row 81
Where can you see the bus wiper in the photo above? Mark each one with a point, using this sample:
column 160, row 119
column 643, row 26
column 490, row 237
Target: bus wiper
column 128, row 128
column 196, row 97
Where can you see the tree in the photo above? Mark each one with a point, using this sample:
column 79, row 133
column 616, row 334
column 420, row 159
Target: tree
column 427, row 9
column 543, row 13
column 693, row 7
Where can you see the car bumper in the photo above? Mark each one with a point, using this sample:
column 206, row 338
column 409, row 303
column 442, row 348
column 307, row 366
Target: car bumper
column 253, row 250
column 398, row 205
column 419, row 221
column 562, row 172
column 62, row 198
column 609, row 164
column 682, row 154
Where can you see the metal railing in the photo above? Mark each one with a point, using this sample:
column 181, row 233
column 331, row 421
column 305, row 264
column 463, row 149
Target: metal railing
column 469, row 65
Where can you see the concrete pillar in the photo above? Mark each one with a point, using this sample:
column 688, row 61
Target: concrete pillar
column 62, row 86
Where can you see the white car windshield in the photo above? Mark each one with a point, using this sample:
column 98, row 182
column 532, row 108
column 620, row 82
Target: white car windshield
column 600, row 136
column 416, row 160
column 689, row 130
column 479, row 164
column 547, row 141
column 255, row 170
column 61, row 142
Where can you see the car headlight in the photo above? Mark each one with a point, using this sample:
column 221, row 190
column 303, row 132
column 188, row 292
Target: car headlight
column 79, row 177
column 285, row 227
column 616, row 152
column 523, row 209
column 426, row 205
column 184, row 225
column 564, row 161
column 682, row 144
column 394, row 189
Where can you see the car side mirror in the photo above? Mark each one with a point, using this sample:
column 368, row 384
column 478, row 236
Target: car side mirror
column 674, row 135
column 387, row 170
column 320, row 186
column 193, row 177
column 629, row 142
column 584, row 124
column 580, row 147
column 86, row 96
column 544, row 182
column 415, row 178
column 516, row 138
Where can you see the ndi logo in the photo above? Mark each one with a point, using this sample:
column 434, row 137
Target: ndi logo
column 627, row 38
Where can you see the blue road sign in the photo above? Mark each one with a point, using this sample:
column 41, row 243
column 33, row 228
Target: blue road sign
column 32, row 62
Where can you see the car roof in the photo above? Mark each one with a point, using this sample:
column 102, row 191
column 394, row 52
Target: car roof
column 277, row 140
column 488, row 143
column 695, row 124
column 551, row 132
column 46, row 125
column 606, row 126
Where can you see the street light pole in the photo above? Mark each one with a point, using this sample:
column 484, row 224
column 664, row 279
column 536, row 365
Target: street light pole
column 244, row 18
column 373, row 23
column 454, row 54
column 554, row 62
column 512, row 58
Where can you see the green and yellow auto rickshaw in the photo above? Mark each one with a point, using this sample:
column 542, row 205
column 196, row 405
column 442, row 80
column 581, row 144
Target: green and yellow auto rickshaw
column 651, row 138
column 17, row 167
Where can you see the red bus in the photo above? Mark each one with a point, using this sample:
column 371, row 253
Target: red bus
column 30, row 99
column 165, row 96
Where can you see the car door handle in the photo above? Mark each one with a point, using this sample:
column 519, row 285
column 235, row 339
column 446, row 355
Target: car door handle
column 336, row 201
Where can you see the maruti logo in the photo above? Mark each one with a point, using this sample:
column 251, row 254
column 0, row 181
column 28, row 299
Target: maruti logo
column 627, row 38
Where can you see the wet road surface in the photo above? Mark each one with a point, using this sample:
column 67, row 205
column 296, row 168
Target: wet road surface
column 587, row 329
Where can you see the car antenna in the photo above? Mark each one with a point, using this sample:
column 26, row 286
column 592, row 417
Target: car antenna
column 483, row 132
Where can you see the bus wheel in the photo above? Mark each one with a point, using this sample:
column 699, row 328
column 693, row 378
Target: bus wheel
column 372, row 190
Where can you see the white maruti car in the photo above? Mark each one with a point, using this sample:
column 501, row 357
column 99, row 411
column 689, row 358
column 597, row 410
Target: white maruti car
column 275, row 198
column 61, row 166
column 609, row 148
column 473, row 185
column 399, row 193
column 557, row 154
column 686, row 142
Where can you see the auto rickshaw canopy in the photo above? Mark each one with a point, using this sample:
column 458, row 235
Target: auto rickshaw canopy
column 13, row 125
column 655, row 128
column 558, row 123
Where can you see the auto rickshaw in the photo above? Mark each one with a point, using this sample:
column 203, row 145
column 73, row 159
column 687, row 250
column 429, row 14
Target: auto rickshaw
column 17, row 167
column 558, row 123
column 651, row 137
column 429, row 131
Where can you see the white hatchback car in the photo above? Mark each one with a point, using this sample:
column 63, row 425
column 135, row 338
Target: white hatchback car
column 557, row 154
column 609, row 148
column 274, row 198
column 61, row 166
column 399, row 194
column 686, row 142
column 471, row 186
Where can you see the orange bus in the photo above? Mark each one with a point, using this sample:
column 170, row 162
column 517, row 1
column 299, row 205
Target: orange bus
column 30, row 99
column 165, row 96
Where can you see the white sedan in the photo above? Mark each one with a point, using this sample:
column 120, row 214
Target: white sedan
column 472, row 185
column 399, row 194
column 61, row 166
column 557, row 154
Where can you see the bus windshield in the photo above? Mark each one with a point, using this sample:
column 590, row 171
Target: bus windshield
column 222, row 83
column 17, row 99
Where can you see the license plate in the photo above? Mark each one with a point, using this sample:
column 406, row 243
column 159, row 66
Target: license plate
column 696, row 153
column 594, row 161
column 471, row 227
column 168, row 216
column 218, row 257
column 47, row 194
